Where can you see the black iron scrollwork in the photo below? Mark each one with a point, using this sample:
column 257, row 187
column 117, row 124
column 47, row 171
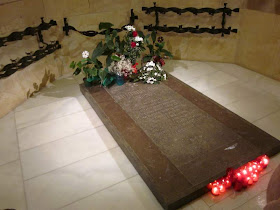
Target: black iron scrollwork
column 30, row 31
column 11, row 68
column 197, row 30
column 192, row 10
column 67, row 28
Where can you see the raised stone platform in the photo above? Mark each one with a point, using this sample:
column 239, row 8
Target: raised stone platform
column 178, row 139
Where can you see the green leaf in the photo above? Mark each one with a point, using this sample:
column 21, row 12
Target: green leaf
column 122, row 44
column 98, row 64
column 79, row 64
column 115, row 58
column 151, row 48
column 86, row 70
column 72, row 65
column 167, row 53
column 154, row 36
column 114, row 34
column 105, row 25
column 92, row 79
column 160, row 45
column 147, row 58
column 110, row 45
column 103, row 73
column 157, row 52
column 107, row 38
column 93, row 71
column 99, row 50
column 77, row 71
column 141, row 34
column 146, row 39
column 108, row 80
column 109, row 60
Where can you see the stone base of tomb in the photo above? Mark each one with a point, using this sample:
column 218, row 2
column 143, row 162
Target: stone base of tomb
column 177, row 139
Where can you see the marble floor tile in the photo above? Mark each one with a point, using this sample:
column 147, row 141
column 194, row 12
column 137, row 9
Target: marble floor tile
column 198, row 204
column 211, row 81
column 256, row 203
column 270, row 124
column 48, row 157
column 230, row 92
column 268, row 85
column 52, row 130
column 79, row 180
column 254, row 108
column 239, row 72
column 50, row 94
column 171, row 64
column 11, row 187
column 192, row 72
column 51, row 111
column 130, row 194
column 8, row 139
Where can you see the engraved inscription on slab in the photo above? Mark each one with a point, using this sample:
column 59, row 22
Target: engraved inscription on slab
column 180, row 129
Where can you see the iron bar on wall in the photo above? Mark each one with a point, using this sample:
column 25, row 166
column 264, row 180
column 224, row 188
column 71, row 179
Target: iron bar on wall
column 193, row 10
column 25, row 61
column 197, row 30
column 67, row 28
column 29, row 31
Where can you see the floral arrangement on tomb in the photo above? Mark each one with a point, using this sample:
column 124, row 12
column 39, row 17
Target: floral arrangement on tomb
column 152, row 73
column 122, row 56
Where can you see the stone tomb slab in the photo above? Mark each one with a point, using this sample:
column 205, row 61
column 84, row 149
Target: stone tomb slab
column 178, row 139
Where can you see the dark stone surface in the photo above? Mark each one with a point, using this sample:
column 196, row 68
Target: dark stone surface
column 178, row 139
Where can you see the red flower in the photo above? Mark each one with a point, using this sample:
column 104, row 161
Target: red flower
column 134, row 68
column 133, row 44
column 156, row 59
column 161, row 61
column 134, row 33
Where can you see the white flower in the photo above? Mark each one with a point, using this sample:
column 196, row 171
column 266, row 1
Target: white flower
column 138, row 39
column 159, row 67
column 137, row 44
column 155, row 74
column 150, row 69
column 151, row 63
column 85, row 54
column 164, row 76
column 130, row 28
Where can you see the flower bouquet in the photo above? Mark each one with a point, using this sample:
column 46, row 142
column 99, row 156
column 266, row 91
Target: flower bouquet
column 121, row 62
column 122, row 68
column 152, row 73
column 133, row 44
column 157, row 53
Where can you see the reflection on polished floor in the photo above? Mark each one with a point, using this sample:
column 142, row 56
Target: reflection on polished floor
column 55, row 153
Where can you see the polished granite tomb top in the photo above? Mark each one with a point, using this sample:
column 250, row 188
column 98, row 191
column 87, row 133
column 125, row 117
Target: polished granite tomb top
column 178, row 139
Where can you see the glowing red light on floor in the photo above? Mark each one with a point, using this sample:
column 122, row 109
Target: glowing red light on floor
column 241, row 177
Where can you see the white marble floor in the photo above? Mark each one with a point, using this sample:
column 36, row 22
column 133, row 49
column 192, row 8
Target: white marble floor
column 55, row 153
